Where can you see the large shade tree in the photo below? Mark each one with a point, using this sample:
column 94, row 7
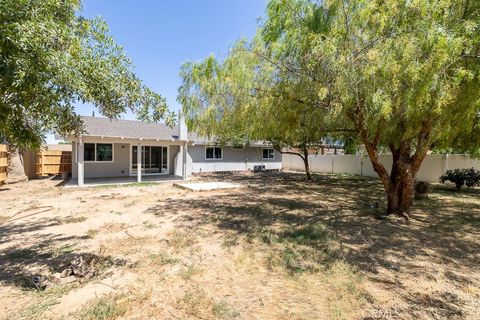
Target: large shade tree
column 52, row 57
column 407, row 78
column 404, row 75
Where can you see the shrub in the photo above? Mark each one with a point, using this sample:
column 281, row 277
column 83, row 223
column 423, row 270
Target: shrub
column 469, row 177
column 422, row 189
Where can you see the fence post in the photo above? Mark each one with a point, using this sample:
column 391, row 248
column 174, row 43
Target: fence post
column 445, row 163
column 360, row 164
column 42, row 162
column 3, row 163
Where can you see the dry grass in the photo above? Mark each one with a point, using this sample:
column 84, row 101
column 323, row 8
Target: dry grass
column 283, row 248
column 103, row 308
column 106, row 229
column 71, row 219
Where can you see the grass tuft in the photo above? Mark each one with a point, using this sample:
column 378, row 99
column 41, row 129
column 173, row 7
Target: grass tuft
column 148, row 225
column 105, row 308
column 180, row 240
column 306, row 235
column 71, row 219
column 92, row 233
column 222, row 310
column 162, row 259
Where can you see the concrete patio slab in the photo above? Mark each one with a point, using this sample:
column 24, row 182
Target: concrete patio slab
column 207, row 186
column 90, row 182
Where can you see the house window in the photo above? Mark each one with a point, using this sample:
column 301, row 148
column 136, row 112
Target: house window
column 268, row 153
column 89, row 152
column 213, row 153
column 104, row 152
column 98, row 152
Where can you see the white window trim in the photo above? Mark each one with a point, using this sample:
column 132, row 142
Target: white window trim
column 96, row 161
column 268, row 158
column 210, row 159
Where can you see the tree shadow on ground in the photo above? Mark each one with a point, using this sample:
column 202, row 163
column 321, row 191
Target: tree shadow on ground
column 442, row 237
column 40, row 255
column 17, row 226
column 20, row 266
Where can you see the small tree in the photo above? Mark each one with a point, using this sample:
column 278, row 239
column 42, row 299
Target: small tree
column 305, row 139
column 52, row 57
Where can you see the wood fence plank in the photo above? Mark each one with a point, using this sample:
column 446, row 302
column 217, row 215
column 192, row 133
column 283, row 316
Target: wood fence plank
column 3, row 163
column 54, row 162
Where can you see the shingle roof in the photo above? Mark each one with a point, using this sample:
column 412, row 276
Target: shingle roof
column 104, row 127
column 97, row 126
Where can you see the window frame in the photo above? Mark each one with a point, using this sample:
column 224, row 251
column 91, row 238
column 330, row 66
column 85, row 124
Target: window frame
column 213, row 147
column 268, row 153
column 95, row 152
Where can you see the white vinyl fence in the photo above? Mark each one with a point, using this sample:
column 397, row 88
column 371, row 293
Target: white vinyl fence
column 432, row 167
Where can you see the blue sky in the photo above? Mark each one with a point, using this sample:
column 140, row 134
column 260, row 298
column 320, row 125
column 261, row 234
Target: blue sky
column 160, row 35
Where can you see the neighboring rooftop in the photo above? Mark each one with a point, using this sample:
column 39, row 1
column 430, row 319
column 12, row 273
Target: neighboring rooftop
column 104, row 127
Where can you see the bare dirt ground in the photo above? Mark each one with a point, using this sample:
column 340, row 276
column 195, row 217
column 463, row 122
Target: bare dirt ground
column 277, row 248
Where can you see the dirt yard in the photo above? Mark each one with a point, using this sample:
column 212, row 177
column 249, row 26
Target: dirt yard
column 277, row 248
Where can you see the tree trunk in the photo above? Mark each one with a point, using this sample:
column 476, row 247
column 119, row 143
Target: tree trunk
column 400, row 190
column 306, row 163
column 16, row 170
column 302, row 153
column 399, row 184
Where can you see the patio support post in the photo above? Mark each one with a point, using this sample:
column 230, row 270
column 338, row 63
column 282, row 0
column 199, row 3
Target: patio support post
column 80, row 162
column 184, row 167
column 139, row 163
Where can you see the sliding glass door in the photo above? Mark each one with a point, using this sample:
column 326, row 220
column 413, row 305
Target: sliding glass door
column 154, row 160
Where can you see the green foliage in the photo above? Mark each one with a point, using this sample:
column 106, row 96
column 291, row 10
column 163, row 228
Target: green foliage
column 403, row 72
column 243, row 99
column 469, row 177
column 406, row 63
column 52, row 57
column 350, row 144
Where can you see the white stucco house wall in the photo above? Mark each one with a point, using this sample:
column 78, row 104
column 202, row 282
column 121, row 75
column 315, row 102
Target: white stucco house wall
column 108, row 148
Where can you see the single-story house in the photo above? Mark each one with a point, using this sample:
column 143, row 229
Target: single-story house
column 123, row 148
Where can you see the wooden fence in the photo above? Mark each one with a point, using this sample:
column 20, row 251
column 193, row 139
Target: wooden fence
column 3, row 163
column 54, row 162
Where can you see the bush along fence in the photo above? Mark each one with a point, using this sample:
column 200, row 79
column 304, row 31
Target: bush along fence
column 433, row 167
column 460, row 177
column 3, row 163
